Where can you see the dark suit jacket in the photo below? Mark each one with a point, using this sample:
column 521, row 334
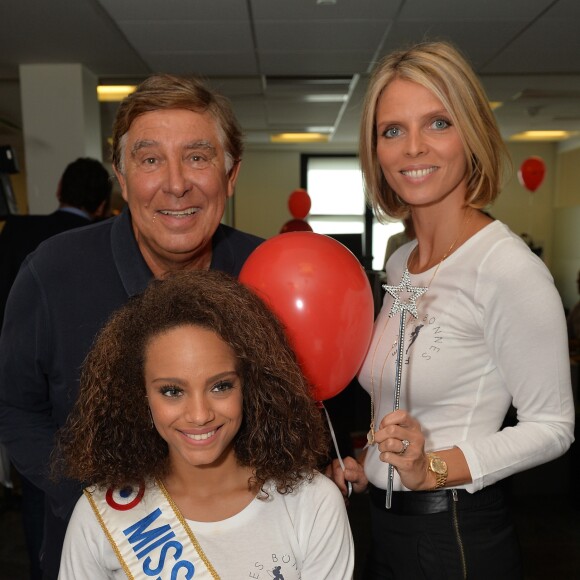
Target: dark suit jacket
column 21, row 235
column 63, row 295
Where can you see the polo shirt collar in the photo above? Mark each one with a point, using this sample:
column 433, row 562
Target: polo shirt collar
column 132, row 268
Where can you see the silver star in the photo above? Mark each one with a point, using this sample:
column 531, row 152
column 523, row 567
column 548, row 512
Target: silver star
column 405, row 286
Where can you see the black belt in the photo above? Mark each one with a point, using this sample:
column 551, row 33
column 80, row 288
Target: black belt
column 415, row 503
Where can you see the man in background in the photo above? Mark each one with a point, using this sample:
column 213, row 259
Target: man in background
column 84, row 194
column 177, row 148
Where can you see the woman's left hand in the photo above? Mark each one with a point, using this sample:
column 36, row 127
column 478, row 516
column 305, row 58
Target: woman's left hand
column 402, row 444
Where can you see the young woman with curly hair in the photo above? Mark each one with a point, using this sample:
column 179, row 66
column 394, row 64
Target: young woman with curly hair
column 198, row 435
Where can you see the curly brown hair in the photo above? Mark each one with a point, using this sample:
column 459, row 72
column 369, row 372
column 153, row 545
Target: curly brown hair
column 108, row 439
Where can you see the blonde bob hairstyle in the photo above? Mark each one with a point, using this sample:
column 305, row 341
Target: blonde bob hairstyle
column 439, row 67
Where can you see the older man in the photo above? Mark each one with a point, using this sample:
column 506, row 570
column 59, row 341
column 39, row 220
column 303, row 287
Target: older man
column 176, row 153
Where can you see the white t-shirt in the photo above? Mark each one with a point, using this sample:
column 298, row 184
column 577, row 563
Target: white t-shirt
column 300, row 536
column 490, row 330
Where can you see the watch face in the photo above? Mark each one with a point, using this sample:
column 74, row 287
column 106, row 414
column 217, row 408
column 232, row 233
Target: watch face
column 438, row 465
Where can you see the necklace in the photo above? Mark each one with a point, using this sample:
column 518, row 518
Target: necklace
column 371, row 433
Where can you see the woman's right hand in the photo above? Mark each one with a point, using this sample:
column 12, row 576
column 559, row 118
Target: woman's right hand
column 353, row 472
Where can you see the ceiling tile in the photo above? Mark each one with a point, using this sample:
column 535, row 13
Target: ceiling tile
column 175, row 9
column 357, row 35
column 313, row 63
column 474, row 10
column 195, row 63
column 534, row 51
column 473, row 39
column 302, row 114
column 309, row 9
column 189, row 35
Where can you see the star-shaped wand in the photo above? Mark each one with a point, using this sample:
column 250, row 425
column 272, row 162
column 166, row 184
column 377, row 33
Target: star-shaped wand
column 400, row 307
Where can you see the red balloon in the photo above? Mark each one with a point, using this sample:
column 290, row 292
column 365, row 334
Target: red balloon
column 532, row 172
column 295, row 226
column 322, row 295
column 299, row 203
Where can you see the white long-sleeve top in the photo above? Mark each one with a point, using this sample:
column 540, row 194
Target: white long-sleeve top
column 304, row 535
column 490, row 331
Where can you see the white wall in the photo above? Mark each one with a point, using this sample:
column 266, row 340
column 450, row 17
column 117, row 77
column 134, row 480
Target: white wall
column 267, row 178
column 59, row 127
column 566, row 262
column 526, row 212
column 551, row 215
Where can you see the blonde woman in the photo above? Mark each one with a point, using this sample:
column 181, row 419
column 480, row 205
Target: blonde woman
column 489, row 332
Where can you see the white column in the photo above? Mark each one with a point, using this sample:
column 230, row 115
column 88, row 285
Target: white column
column 61, row 122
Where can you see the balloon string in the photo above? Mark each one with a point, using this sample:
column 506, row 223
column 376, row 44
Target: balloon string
column 340, row 461
column 531, row 218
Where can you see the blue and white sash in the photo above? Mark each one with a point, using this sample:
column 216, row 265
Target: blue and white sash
column 149, row 535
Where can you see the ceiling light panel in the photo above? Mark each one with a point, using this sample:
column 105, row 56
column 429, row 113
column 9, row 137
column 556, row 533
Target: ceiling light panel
column 543, row 136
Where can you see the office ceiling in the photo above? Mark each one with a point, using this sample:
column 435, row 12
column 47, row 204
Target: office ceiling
column 295, row 65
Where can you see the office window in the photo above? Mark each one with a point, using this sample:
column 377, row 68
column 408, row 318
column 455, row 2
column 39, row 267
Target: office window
column 334, row 184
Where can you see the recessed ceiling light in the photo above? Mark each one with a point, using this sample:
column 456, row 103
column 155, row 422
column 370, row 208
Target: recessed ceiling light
column 543, row 135
column 114, row 92
column 495, row 105
column 325, row 98
column 299, row 138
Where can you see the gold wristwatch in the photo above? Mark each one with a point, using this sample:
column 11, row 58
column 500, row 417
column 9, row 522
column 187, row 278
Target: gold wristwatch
column 439, row 468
